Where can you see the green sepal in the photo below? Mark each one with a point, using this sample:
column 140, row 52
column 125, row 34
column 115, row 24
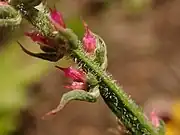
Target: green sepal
column 9, row 16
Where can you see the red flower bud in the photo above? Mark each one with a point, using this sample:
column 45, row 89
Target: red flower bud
column 154, row 119
column 43, row 41
column 57, row 18
column 89, row 40
column 37, row 37
column 76, row 75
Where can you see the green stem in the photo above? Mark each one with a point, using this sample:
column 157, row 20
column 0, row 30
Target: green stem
column 117, row 100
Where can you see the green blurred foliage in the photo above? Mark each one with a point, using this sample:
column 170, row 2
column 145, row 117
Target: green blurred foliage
column 15, row 74
column 136, row 7
column 75, row 23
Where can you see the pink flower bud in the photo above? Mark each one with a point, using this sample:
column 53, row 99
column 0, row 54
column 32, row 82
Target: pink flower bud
column 57, row 18
column 43, row 41
column 76, row 75
column 89, row 41
column 37, row 37
column 2, row 3
column 76, row 85
column 154, row 119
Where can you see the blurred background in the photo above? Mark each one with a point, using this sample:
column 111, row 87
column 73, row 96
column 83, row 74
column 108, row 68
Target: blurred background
column 142, row 38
